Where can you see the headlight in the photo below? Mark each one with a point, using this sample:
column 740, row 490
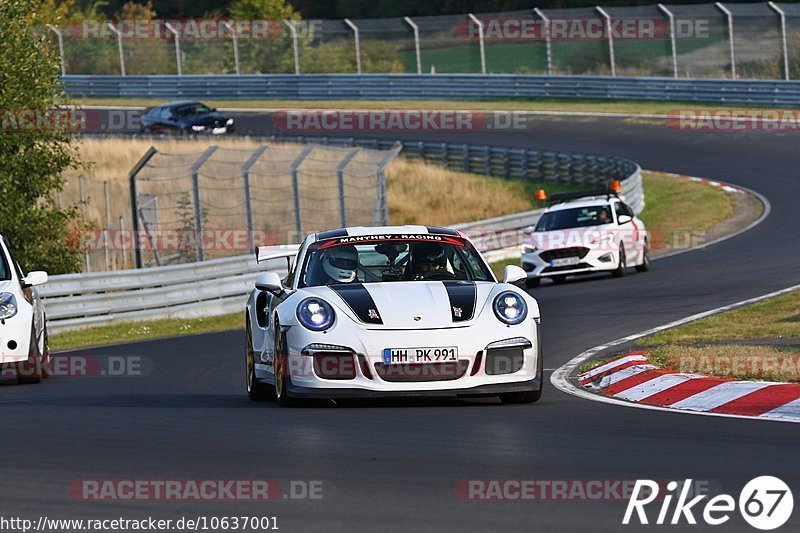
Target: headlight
column 229, row 122
column 315, row 314
column 608, row 238
column 198, row 128
column 8, row 305
column 528, row 248
column 510, row 307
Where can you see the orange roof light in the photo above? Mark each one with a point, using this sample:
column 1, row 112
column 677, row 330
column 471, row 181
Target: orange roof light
column 615, row 186
column 541, row 195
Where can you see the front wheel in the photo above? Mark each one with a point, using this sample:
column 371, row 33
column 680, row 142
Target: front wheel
column 30, row 371
column 281, row 367
column 531, row 283
column 621, row 269
column 256, row 391
column 645, row 266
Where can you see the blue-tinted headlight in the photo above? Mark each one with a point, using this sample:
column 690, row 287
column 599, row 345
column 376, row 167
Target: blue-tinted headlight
column 8, row 305
column 510, row 307
column 315, row 314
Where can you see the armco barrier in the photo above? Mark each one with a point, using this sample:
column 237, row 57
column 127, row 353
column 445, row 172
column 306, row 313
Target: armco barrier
column 436, row 87
column 220, row 286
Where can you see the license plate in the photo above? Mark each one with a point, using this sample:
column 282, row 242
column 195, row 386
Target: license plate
column 564, row 261
column 393, row 356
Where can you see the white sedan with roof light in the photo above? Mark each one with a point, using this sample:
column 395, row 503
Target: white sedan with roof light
column 585, row 232
column 391, row 311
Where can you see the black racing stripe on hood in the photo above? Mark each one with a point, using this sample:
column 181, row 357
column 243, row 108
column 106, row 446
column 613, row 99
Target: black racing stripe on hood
column 358, row 298
column 332, row 233
column 462, row 295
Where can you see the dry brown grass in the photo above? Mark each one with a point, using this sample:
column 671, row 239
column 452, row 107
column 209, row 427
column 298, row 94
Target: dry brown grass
column 417, row 192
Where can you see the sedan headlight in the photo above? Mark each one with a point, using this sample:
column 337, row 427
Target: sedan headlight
column 528, row 248
column 510, row 307
column 8, row 305
column 315, row 314
column 198, row 128
column 229, row 122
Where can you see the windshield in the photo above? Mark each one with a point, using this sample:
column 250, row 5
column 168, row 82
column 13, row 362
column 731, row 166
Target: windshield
column 595, row 215
column 381, row 258
column 193, row 109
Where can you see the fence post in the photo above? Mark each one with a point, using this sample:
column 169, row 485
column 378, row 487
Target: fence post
column 174, row 32
column 610, row 40
column 198, row 212
column 235, row 39
column 381, row 214
column 782, row 15
column 478, row 23
column 248, row 207
column 60, row 38
column 119, row 46
column 416, row 42
column 547, row 43
column 672, row 39
column 730, row 36
column 358, row 44
column 137, row 252
column 108, row 223
column 295, row 45
column 340, row 179
column 298, row 221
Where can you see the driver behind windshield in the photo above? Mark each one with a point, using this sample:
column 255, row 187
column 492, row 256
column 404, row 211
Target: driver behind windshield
column 426, row 258
column 339, row 264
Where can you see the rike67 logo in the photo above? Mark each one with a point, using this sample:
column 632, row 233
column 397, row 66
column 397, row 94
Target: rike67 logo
column 765, row 503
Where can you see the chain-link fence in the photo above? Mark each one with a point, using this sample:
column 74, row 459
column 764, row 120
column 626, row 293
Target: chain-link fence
column 223, row 201
column 720, row 40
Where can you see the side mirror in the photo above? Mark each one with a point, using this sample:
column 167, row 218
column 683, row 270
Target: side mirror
column 269, row 282
column 514, row 274
column 35, row 277
column 624, row 219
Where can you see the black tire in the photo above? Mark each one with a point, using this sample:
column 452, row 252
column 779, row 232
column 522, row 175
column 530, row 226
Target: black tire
column 45, row 356
column 30, row 371
column 531, row 283
column 282, row 378
column 558, row 280
column 256, row 391
column 622, row 268
column 645, row 266
column 530, row 396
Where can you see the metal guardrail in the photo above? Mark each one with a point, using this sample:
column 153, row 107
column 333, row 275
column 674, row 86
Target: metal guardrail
column 438, row 86
column 219, row 286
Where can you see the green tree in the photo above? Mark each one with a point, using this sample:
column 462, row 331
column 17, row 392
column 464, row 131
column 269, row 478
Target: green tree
column 263, row 9
column 33, row 155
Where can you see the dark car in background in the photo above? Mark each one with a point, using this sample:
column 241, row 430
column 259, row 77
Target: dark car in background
column 186, row 117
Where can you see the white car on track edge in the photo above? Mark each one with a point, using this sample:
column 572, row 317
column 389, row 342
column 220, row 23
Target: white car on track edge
column 23, row 332
column 582, row 233
column 397, row 311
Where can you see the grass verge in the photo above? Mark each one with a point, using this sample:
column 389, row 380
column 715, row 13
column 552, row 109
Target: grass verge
column 151, row 329
column 570, row 106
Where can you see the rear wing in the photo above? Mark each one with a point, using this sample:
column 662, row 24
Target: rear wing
column 265, row 253
column 594, row 193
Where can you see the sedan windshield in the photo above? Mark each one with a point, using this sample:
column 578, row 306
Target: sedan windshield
column 381, row 258
column 595, row 215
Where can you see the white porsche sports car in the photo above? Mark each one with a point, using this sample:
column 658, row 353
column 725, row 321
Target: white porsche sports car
column 391, row 311
column 23, row 333
column 585, row 232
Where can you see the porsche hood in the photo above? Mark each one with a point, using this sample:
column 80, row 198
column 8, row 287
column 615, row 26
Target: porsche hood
column 418, row 305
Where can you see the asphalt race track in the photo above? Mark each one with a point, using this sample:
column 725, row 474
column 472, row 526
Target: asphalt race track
column 393, row 466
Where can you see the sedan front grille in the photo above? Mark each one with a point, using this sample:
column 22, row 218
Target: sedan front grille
column 560, row 253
